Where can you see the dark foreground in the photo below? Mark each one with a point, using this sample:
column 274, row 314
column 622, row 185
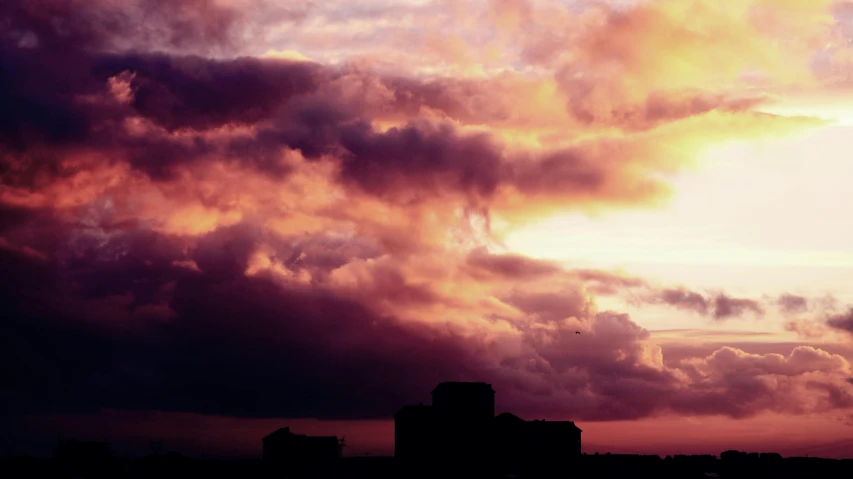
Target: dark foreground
column 587, row 466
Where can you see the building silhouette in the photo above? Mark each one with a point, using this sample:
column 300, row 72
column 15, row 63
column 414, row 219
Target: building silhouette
column 83, row 458
column 524, row 445
column 298, row 454
column 460, row 428
column 417, row 432
column 454, row 429
column 465, row 399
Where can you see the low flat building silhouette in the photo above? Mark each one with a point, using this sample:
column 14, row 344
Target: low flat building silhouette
column 284, row 448
column 460, row 428
column 520, row 444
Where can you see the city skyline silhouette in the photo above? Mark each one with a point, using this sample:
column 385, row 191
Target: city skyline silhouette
column 457, row 435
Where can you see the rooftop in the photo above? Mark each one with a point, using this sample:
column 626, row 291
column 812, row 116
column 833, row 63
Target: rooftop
column 286, row 432
column 463, row 385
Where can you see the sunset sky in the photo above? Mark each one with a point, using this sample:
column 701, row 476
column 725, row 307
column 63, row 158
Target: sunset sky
column 221, row 217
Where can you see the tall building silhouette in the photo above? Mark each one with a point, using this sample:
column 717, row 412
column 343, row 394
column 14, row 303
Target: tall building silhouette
column 469, row 400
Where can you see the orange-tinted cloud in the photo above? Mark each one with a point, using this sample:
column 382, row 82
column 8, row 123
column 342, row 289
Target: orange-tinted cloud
column 807, row 328
column 826, row 321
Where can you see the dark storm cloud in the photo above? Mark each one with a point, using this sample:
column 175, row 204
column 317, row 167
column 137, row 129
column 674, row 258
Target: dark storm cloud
column 424, row 154
column 49, row 63
column 84, row 86
column 102, row 334
column 121, row 325
column 60, row 96
column 199, row 93
column 42, row 83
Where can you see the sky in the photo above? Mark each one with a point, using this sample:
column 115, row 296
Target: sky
column 221, row 217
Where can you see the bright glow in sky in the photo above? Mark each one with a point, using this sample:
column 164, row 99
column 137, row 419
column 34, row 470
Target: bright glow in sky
column 762, row 216
column 774, row 203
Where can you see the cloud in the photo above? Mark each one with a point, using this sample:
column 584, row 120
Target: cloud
column 726, row 307
column 790, row 303
column 842, row 321
column 754, row 380
column 720, row 306
column 149, row 333
column 515, row 267
column 684, row 299
column 827, row 322
column 243, row 353
column 807, row 328
column 167, row 107
column 205, row 231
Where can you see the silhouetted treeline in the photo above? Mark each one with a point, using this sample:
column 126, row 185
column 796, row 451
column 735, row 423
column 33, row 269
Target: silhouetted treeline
column 90, row 460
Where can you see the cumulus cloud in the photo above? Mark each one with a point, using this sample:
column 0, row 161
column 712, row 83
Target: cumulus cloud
column 205, row 231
